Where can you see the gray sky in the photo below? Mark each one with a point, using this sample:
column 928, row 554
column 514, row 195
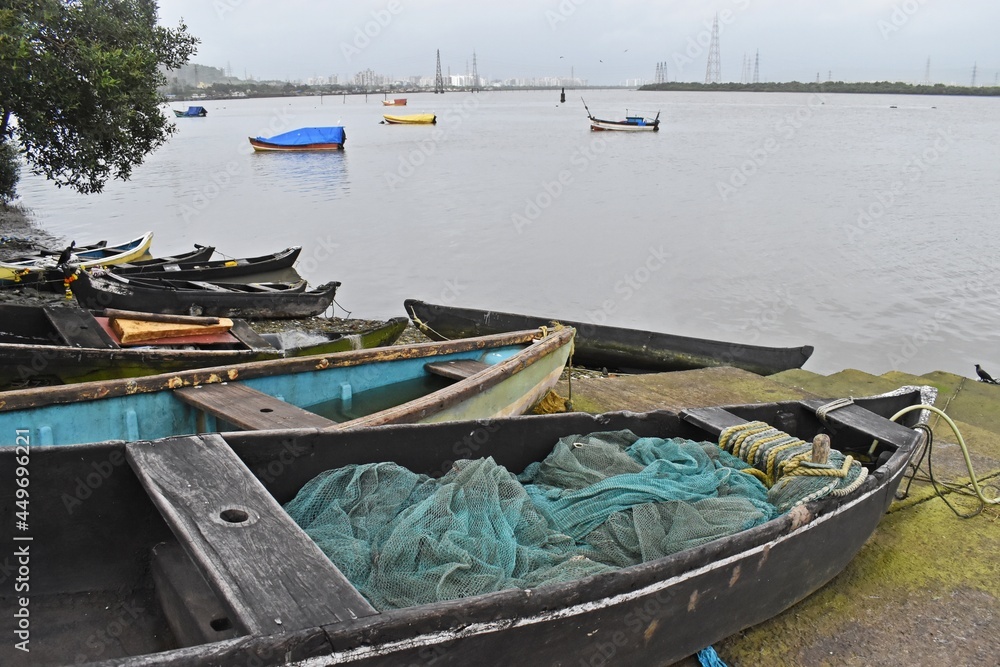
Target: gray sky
column 603, row 41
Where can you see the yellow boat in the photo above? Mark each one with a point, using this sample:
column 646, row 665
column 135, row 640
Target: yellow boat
column 411, row 119
column 30, row 270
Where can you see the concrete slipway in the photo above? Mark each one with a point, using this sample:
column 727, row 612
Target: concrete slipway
column 925, row 589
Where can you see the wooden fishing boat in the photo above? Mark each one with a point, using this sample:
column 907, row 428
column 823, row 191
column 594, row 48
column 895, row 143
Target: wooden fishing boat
column 398, row 102
column 206, row 269
column 303, row 139
column 33, row 269
column 250, row 301
column 50, row 345
column 410, row 119
column 614, row 348
column 209, row 568
column 629, row 124
column 475, row 378
column 191, row 112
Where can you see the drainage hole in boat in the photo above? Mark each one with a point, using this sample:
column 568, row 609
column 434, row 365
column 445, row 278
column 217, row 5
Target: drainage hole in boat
column 234, row 516
column 266, row 410
column 220, row 624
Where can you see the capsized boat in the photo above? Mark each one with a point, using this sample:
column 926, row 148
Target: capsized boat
column 330, row 138
column 475, row 378
column 208, row 566
column 49, row 345
column 613, row 348
column 98, row 290
column 410, row 119
column 36, row 268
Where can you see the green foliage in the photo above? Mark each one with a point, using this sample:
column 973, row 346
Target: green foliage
column 80, row 78
column 10, row 172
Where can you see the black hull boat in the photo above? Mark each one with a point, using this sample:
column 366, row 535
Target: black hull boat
column 613, row 348
column 178, row 552
column 250, row 301
column 46, row 345
column 203, row 268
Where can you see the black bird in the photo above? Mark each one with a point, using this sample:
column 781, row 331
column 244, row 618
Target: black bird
column 984, row 376
column 66, row 254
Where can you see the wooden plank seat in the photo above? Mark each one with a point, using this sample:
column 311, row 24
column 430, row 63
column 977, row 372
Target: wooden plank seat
column 78, row 328
column 267, row 573
column 247, row 408
column 456, row 370
column 208, row 286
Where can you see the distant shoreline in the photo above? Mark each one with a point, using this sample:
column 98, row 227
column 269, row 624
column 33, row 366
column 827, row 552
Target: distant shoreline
column 873, row 88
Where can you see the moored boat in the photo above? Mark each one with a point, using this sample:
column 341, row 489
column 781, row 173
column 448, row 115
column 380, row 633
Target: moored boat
column 398, row 102
column 330, row 138
column 205, row 546
column 631, row 123
column 613, row 348
column 204, row 268
column 191, row 112
column 410, row 119
column 252, row 301
column 476, row 378
column 46, row 345
column 43, row 267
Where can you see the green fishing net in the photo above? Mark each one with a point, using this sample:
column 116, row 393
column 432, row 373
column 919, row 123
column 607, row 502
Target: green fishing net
column 596, row 503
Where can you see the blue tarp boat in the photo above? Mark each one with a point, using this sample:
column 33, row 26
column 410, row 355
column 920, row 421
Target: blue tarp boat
column 192, row 112
column 303, row 139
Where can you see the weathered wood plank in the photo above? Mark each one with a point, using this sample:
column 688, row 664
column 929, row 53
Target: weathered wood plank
column 249, row 409
column 712, row 420
column 458, row 369
column 268, row 573
column 133, row 331
column 79, row 328
column 857, row 418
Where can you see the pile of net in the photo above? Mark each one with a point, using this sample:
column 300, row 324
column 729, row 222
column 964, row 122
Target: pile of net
column 597, row 503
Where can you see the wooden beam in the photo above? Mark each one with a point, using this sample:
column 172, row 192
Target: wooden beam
column 265, row 570
column 249, row 409
column 458, row 369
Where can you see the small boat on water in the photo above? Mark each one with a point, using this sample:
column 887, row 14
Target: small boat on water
column 51, row 345
column 398, row 102
column 410, row 119
column 191, row 112
column 630, row 124
column 476, row 378
column 207, row 269
column 330, row 138
column 205, row 544
column 614, row 348
column 98, row 290
column 42, row 267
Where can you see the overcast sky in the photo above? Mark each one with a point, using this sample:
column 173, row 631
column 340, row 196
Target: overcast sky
column 602, row 41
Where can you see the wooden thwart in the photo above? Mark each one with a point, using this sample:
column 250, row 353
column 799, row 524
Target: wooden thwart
column 266, row 571
column 456, row 370
column 249, row 409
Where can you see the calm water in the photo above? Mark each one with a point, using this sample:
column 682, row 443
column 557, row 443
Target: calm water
column 781, row 219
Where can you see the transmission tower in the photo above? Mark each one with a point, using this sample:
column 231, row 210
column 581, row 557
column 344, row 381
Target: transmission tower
column 756, row 67
column 713, row 73
column 438, row 79
column 927, row 72
column 974, row 74
column 475, row 74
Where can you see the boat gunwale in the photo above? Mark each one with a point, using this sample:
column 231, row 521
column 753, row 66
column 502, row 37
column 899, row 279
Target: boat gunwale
column 21, row 399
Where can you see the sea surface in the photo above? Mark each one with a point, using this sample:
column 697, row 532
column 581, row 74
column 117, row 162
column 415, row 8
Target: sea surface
column 865, row 225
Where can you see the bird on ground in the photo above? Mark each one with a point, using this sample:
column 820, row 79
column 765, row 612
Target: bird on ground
column 984, row 376
column 66, row 254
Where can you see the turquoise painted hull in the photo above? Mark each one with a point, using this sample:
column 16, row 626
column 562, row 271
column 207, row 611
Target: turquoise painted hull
column 148, row 414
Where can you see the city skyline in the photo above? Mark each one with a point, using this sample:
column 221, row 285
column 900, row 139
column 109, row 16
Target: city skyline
column 615, row 43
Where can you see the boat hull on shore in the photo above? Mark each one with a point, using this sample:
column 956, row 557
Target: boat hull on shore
column 42, row 268
column 162, row 565
column 614, row 348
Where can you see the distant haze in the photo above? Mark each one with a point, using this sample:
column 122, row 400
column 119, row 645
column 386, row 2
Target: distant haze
column 616, row 42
